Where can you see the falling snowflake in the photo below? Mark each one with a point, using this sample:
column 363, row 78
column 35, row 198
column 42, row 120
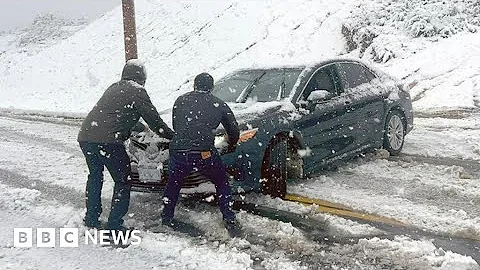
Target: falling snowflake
column 304, row 152
column 211, row 198
column 165, row 200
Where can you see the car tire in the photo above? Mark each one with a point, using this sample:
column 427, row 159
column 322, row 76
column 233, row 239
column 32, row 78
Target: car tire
column 394, row 135
column 278, row 160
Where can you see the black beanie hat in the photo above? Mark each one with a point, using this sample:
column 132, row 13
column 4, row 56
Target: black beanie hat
column 203, row 82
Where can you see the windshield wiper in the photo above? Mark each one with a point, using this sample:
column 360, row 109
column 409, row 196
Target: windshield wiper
column 249, row 88
column 282, row 87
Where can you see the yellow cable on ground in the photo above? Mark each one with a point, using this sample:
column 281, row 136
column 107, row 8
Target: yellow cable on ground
column 342, row 210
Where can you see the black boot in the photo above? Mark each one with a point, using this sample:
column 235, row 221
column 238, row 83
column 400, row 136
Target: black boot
column 234, row 228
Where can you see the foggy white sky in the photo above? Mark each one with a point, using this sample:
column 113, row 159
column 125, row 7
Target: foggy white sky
column 20, row 13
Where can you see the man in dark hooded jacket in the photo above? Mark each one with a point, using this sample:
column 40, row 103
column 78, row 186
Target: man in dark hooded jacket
column 101, row 139
column 195, row 115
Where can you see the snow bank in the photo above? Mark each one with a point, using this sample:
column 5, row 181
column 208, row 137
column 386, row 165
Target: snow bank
column 371, row 22
column 445, row 76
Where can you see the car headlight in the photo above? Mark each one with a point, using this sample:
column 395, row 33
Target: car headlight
column 222, row 142
column 247, row 135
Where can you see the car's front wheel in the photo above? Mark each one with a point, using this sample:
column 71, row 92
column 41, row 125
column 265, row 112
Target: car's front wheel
column 394, row 135
column 280, row 163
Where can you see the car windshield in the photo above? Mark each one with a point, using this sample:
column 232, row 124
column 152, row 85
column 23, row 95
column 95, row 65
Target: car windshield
column 260, row 85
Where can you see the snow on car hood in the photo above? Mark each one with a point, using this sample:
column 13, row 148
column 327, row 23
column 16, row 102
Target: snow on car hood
column 250, row 110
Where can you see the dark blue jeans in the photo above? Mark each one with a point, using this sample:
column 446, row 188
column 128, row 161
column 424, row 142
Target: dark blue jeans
column 115, row 158
column 181, row 164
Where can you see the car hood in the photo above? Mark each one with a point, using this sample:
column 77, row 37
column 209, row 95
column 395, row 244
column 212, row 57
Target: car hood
column 247, row 112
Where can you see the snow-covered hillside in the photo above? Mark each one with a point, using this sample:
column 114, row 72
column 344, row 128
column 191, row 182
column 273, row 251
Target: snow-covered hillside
column 46, row 30
column 432, row 45
column 179, row 40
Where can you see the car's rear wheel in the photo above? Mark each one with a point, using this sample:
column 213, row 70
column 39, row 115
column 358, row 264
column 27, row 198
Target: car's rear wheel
column 280, row 163
column 394, row 135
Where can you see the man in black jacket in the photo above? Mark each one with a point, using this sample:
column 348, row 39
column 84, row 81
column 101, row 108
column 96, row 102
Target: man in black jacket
column 101, row 139
column 195, row 116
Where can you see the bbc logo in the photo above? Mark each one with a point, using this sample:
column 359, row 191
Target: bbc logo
column 23, row 237
column 69, row 237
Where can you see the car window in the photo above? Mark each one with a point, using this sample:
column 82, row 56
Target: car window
column 275, row 84
column 261, row 85
column 291, row 77
column 321, row 80
column 229, row 88
column 369, row 74
column 353, row 75
column 268, row 87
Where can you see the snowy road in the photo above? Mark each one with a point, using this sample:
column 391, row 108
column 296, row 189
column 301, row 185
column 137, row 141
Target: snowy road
column 434, row 186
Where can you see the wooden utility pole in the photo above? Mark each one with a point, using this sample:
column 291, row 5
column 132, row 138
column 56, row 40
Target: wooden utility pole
column 129, row 29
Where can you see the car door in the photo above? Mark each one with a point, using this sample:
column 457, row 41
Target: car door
column 325, row 128
column 365, row 98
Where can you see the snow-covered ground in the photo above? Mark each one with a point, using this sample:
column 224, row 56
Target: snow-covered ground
column 441, row 198
column 432, row 46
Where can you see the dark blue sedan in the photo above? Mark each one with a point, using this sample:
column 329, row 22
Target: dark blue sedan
column 297, row 121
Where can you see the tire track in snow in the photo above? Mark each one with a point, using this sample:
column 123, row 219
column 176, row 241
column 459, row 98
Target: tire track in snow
column 142, row 214
column 16, row 136
column 266, row 243
column 419, row 187
column 472, row 167
column 41, row 211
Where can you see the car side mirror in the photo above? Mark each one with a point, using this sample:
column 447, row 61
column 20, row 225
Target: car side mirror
column 319, row 95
